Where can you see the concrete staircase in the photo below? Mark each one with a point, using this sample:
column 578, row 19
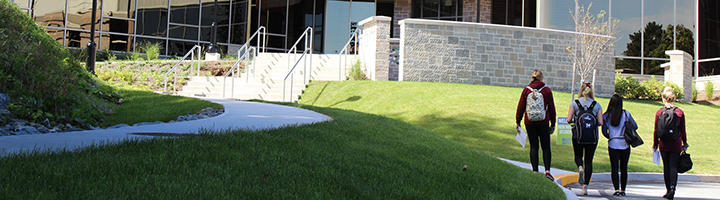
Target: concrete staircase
column 266, row 83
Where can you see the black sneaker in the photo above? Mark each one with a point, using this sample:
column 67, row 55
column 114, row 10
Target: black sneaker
column 617, row 194
column 581, row 177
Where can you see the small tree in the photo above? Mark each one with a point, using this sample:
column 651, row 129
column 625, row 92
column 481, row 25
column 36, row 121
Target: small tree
column 593, row 41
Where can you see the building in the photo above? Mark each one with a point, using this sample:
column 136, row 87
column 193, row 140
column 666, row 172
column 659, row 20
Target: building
column 178, row 25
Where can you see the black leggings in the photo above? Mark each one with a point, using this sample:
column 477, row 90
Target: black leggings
column 619, row 159
column 589, row 150
column 670, row 168
column 534, row 132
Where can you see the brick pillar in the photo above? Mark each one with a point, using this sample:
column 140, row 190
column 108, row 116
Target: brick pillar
column 485, row 11
column 679, row 71
column 375, row 47
column 402, row 11
column 470, row 10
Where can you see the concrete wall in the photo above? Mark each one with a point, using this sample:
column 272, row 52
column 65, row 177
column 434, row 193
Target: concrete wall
column 488, row 54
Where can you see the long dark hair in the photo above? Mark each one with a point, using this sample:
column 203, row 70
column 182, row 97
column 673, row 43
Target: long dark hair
column 615, row 108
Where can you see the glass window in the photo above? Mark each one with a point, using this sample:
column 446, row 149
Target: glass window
column 57, row 34
column 183, row 32
column 437, row 9
column 152, row 18
column 208, row 10
column 50, row 13
column 119, row 25
column 239, row 22
column 179, row 48
column 658, row 15
column 629, row 14
column 222, row 33
column 510, row 12
column 628, row 65
column 21, row 3
column 185, row 12
column 119, row 8
column 78, row 39
column 120, row 42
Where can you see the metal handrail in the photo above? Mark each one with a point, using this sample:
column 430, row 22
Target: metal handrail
column 243, row 57
column 292, row 75
column 191, row 52
column 345, row 50
column 307, row 37
column 261, row 35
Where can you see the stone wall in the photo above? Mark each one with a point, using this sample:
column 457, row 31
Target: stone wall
column 375, row 47
column 489, row 54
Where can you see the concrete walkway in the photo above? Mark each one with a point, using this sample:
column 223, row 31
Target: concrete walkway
column 641, row 185
column 238, row 115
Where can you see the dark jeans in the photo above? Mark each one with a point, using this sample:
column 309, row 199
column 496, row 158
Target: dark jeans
column 670, row 168
column 543, row 133
column 589, row 152
column 619, row 159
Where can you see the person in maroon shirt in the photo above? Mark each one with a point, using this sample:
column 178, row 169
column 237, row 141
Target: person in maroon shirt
column 670, row 149
column 538, row 129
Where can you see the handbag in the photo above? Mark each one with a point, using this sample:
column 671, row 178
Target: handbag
column 685, row 162
column 631, row 135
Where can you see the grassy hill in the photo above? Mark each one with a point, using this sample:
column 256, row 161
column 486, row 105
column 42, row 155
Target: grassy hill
column 41, row 77
column 483, row 117
column 355, row 156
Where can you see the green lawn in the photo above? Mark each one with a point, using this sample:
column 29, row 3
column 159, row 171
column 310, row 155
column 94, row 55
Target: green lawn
column 147, row 106
column 355, row 156
column 483, row 117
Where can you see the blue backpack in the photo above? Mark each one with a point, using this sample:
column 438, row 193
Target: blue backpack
column 586, row 127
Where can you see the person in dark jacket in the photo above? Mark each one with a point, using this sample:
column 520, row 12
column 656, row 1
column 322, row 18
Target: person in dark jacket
column 670, row 149
column 538, row 129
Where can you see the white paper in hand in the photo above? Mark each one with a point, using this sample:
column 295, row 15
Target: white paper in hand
column 521, row 136
column 656, row 157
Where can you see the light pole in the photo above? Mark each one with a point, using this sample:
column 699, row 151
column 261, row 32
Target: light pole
column 212, row 51
column 91, row 45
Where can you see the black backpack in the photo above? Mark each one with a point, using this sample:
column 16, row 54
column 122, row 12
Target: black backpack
column 586, row 127
column 666, row 128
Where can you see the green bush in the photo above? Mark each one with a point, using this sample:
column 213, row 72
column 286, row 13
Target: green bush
column 630, row 88
column 709, row 89
column 694, row 92
column 151, row 50
column 42, row 78
column 356, row 72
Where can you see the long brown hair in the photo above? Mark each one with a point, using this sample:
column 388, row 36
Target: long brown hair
column 615, row 108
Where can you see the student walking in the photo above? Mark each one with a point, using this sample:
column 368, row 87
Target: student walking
column 670, row 137
column 537, row 106
column 584, row 113
column 618, row 149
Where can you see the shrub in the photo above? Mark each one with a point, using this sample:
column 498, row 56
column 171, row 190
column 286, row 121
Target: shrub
column 630, row 88
column 709, row 90
column 151, row 50
column 694, row 92
column 42, row 78
column 356, row 72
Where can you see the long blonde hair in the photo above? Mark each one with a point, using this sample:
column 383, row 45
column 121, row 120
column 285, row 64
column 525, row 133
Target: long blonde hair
column 586, row 90
column 668, row 94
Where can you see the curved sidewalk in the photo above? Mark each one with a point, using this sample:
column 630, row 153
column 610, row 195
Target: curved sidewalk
column 641, row 185
column 238, row 115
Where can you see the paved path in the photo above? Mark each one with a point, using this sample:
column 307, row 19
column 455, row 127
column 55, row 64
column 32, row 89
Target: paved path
column 641, row 185
column 238, row 115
